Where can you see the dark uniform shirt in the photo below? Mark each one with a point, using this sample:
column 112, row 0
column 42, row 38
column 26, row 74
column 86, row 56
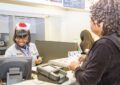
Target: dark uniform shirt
column 102, row 66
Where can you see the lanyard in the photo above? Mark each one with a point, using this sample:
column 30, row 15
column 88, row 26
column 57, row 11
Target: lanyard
column 25, row 50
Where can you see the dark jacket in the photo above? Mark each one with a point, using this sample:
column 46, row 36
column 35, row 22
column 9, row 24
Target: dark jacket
column 102, row 66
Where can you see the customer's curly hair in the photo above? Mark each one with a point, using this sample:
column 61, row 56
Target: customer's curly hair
column 108, row 12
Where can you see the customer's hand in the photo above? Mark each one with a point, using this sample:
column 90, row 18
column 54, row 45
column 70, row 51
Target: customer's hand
column 38, row 61
column 82, row 58
column 73, row 65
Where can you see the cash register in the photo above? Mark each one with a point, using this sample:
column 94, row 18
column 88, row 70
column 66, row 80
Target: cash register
column 51, row 73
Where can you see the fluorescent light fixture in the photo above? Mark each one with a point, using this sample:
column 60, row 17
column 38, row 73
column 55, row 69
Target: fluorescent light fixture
column 47, row 2
column 34, row 1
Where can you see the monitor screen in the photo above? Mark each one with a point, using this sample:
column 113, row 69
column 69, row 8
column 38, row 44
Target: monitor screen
column 23, row 63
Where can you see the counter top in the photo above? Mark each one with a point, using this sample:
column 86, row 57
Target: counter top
column 34, row 82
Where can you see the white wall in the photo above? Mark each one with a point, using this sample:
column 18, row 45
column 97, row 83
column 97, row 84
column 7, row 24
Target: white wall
column 53, row 28
column 60, row 24
column 73, row 23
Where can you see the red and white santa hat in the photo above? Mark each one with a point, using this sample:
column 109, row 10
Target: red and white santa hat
column 22, row 26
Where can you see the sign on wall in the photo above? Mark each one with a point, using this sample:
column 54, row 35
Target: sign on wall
column 74, row 3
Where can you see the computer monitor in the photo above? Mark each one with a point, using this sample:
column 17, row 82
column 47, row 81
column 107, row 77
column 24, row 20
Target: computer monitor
column 23, row 63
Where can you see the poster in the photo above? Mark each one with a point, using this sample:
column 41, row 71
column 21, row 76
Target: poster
column 74, row 3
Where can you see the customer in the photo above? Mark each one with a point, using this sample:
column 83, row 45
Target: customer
column 22, row 45
column 86, row 41
column 102, row 66
column 85, row 45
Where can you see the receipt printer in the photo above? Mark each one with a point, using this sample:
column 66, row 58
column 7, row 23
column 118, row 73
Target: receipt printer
column 51, row 73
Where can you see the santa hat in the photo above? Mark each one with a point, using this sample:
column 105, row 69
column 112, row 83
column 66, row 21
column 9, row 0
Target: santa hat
column 22, row 26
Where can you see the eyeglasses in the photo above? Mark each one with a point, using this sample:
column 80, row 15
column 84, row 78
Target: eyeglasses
column 22, row 38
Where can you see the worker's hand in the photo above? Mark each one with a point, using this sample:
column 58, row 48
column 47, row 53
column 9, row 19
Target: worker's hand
column 73, row 65
column 82, row 58
column 38, row 61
